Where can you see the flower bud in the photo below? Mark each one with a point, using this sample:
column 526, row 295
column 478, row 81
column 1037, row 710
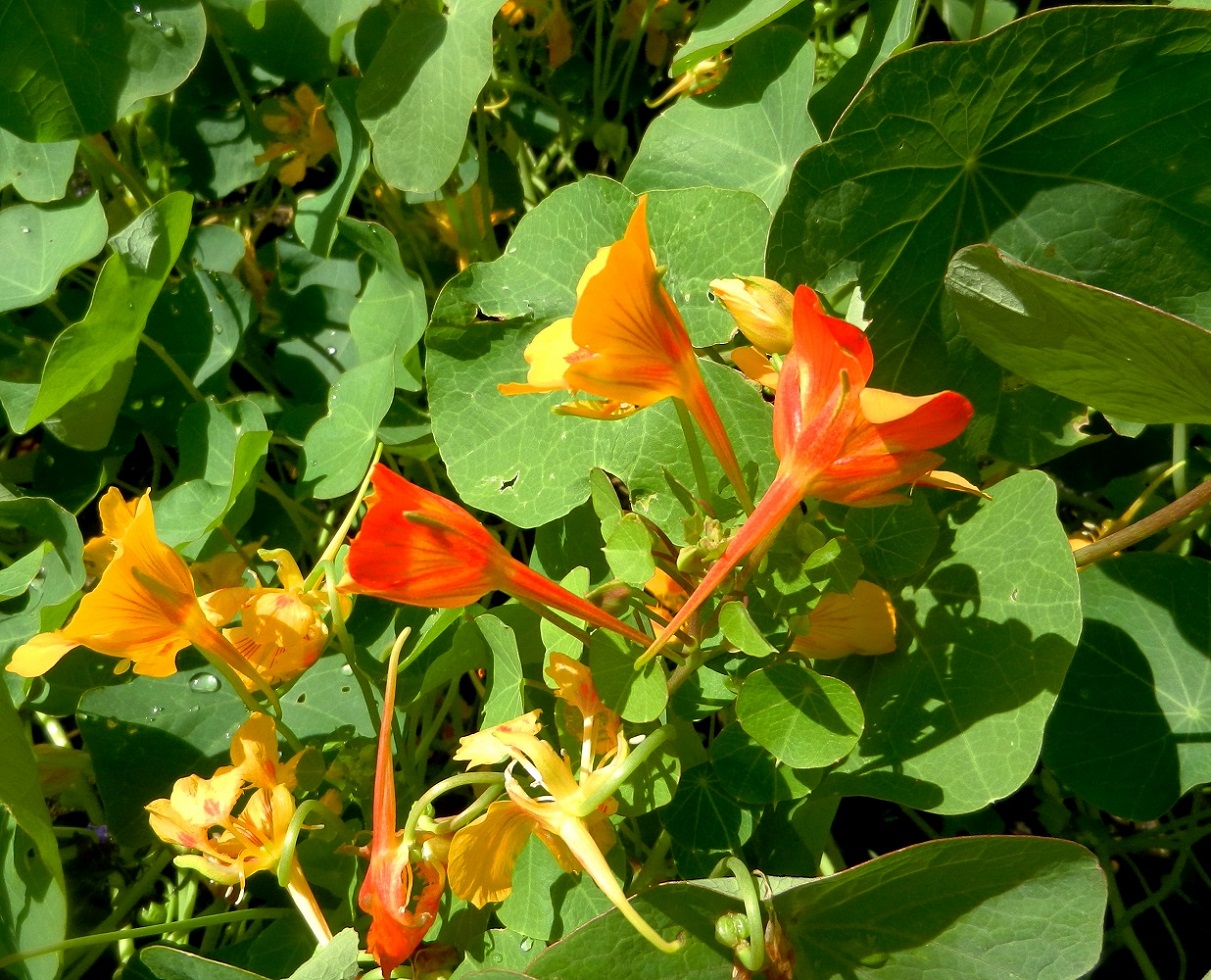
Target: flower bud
column 761, row 308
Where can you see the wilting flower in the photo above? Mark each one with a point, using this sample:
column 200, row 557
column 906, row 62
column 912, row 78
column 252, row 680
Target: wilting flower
column 835, row 439
column 625, row 344
column 420, row 549
column 142, row 611
column 663, row 18
column 304, row 132
column 398, row 919
column 548, row 18
column 200, row 816
column 862, row 622
column 570, row 816
column 281, row 631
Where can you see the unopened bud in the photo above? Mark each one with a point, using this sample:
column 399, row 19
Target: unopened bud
column 762, row 309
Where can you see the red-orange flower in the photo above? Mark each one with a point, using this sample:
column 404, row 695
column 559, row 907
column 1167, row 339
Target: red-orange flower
column 626, row 344
column 420, row 549
column 398, row 920
column 835, row 438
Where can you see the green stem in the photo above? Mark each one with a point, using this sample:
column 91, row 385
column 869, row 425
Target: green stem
column 444, row 786
column 690, row 432
column 198, row 922
column 622, row 770
column 751, row 954
column 334, row 544
column 169, row 362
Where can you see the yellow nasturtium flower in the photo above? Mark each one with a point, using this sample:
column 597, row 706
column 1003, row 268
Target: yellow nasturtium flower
column 570, row 814
column 201, row 816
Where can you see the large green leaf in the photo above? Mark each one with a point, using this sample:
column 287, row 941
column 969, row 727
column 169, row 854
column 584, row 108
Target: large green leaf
column 1086, row 344
column 546, row 901
column 70, row 68
column 145, row 734
column 33, row 907
column 981, row 908
column 40, row 244
column 954, row 718
column 89, row 364
column 1131, row 731
column 37, row 171
column 746, row 134
column 1042, row 134
column 722, row 23
column 421, row 87
column 510, row 455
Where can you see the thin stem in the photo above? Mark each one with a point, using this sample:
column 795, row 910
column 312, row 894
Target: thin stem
column 1145, row 527
column 444, row 786
column 694, row 449
column 334, row 545
column 198, row 922
column 169, row 362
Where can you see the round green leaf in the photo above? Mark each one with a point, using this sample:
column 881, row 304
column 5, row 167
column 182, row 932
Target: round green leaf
column 980, row 908
column 703, row 815
column 37, row 171
column 949, row 145
column 894, row 542
column 954, row 718
column 745, row 134
column 637, row 695
column 1131, row 731
column 510, row 455
column 802, row 718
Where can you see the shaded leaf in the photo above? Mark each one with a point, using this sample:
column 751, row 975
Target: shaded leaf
column 72, row 69
column 1131, row 731
column 36, row 171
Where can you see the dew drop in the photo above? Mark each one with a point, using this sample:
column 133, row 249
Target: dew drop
column 156, row 709
column 204, row 682
column 347, row 670
column 25, row 231
column 331, row 351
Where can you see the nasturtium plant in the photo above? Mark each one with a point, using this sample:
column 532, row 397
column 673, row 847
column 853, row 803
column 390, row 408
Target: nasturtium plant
column 642, row 488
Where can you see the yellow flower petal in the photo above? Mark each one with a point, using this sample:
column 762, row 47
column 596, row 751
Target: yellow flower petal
column 862, row 622
column 483, row 854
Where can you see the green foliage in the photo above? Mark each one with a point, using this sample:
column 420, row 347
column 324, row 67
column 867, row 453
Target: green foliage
column 251, row 246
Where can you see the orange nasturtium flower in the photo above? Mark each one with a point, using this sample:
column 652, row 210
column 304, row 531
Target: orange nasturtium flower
column 142, row 611
column 626, row 345
column 420, row 549
column 570, row 816
column 282, row 630
column 549, row 18
column 862, row 622
column 835, row 439
column 304, row 131
column 398, row 920
column 200, row 816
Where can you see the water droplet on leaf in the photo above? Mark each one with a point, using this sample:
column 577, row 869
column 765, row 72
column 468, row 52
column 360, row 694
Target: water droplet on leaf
column 204, row 682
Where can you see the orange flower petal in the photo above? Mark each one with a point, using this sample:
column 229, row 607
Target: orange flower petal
column 483, row 854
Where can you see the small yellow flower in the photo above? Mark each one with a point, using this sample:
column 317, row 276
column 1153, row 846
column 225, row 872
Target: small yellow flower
column 281, row 631
column 305, row 133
